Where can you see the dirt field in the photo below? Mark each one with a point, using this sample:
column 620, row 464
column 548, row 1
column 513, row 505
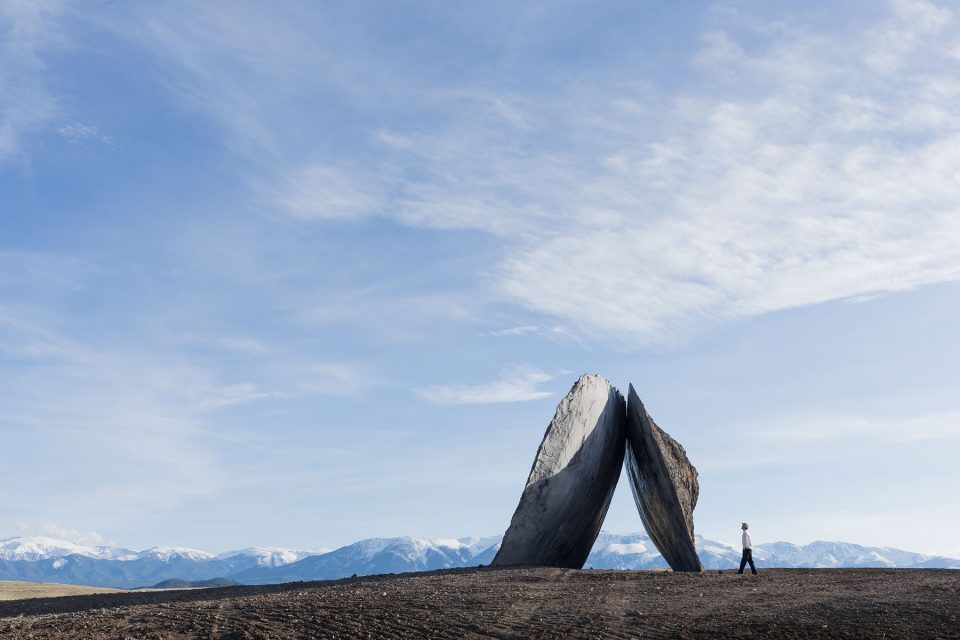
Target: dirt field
column 21, row 590
column 521, row 603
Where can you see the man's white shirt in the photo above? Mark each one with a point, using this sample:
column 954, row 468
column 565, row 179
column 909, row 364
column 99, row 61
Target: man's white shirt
column 746, row 541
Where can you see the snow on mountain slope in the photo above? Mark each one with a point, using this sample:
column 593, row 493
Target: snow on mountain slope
column 624, row 551
column 468, row 547
column 166, row 554
column 635, row 551
column 34, row 548
column 716, row 555
column 823, row 554
column 376, row 555
column 270, row 556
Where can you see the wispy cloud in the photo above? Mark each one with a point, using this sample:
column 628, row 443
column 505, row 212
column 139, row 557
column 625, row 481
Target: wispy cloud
column 234, row 328
column 40, row 269
column 323, row 192
column 27, row 30
column 517, row 384
column 125, row 417
column 137, row 424
column 232, row 343
column 234, row 394
column 393, row 310
column 799, row 175
column 516, row 331
column 556, row 333
column 798, row 169
column 331, row 379
column 804, row 438
column 78, row 132
column 836, row 428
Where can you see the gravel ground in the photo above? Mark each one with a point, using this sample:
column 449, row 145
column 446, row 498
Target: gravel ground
column 521, row 603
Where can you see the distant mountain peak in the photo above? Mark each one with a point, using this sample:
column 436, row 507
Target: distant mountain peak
column 272, row 556
column 169, row 553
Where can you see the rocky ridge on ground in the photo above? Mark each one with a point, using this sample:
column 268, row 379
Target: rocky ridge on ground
column 519, row 603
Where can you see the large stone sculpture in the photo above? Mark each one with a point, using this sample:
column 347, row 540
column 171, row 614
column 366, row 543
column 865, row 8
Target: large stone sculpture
column 572, row 480
column 664, row 485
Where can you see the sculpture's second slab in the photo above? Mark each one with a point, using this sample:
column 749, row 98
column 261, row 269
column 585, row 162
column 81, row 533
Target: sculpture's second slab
column 664, row 485
column 572, row 481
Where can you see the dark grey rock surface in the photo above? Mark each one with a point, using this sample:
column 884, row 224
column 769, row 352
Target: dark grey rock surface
column 572, row 480
column 664, row 485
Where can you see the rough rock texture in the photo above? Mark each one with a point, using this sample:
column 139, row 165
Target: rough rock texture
column 572, row 480
column 664, row 487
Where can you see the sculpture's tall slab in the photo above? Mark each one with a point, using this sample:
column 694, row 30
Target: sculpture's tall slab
column 572, row 480
column 664, row 485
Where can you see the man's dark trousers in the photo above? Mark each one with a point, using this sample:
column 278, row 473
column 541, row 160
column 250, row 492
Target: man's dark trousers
column 747, row 557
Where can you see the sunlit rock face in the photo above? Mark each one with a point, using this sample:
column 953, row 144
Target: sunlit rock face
column 572, row 481
column 664, row 485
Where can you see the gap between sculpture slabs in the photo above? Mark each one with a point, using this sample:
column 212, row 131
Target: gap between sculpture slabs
column 534, row 537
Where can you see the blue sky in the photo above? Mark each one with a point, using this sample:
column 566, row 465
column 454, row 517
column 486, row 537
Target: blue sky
column 305, row 273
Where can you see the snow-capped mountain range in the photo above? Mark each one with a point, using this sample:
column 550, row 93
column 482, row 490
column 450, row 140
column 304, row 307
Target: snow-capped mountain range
column 45, row 559
column 43, row 548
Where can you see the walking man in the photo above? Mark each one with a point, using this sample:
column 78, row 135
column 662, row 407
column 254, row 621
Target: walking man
column 747, row 551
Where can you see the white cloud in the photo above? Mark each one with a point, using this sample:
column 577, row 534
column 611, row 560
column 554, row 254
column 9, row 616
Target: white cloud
column 517, row 384
column 912, row 21
column 765, row 199
column 793, row 167
column 53, row 530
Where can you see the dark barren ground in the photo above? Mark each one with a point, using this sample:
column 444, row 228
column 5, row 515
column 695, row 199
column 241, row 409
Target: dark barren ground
column 521, row 603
